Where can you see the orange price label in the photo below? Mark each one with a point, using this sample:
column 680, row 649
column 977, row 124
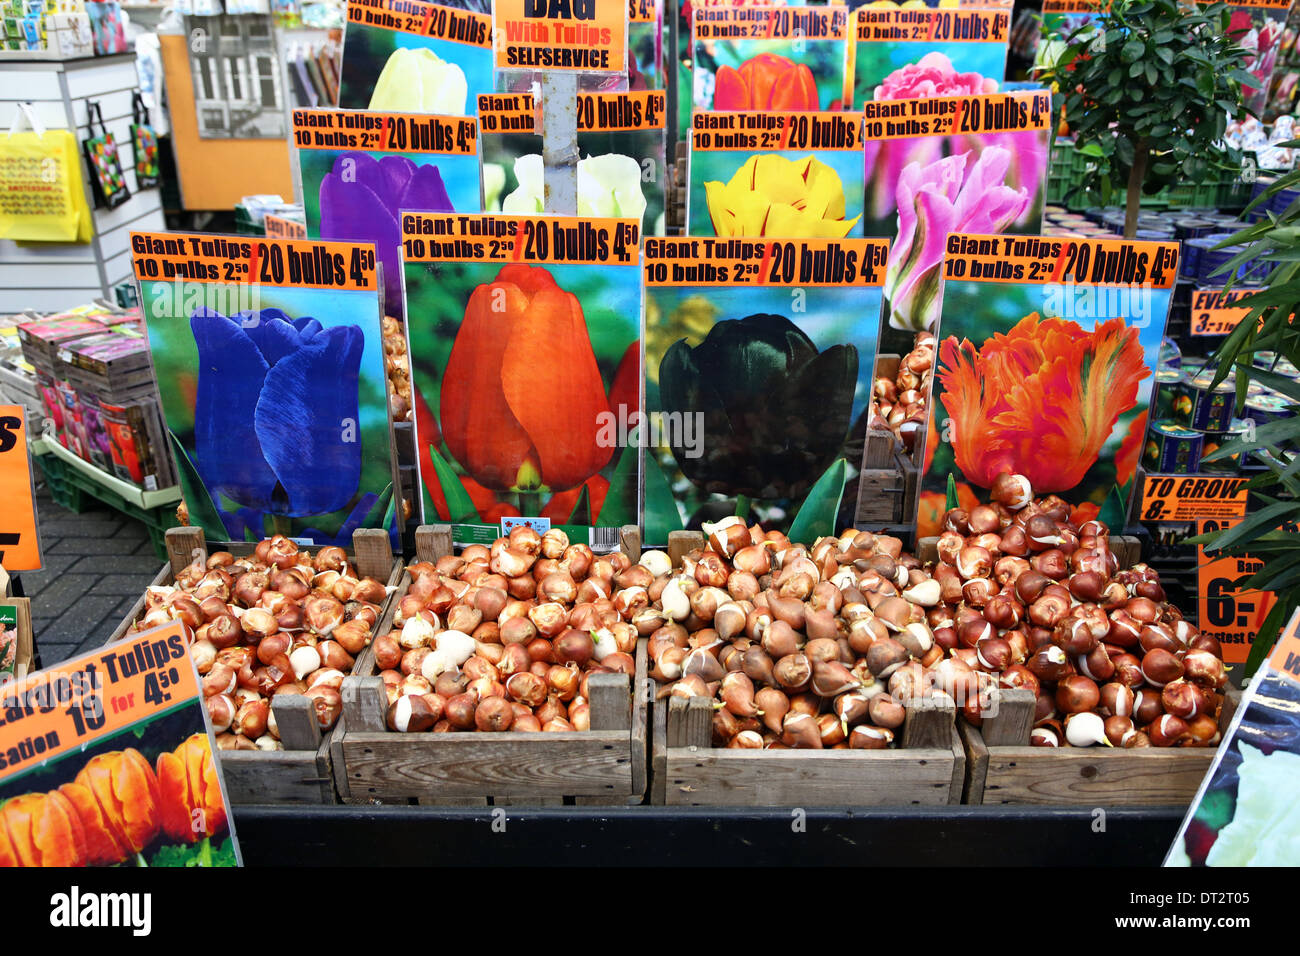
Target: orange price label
column 1215, row 312
column 1191, row 497
column 1063, row 262
column 19, row 546
column 537, row 240
column 712, row 131
column 63, row 708
column 771, row 23
column 277, row 227
column 1227, row 613
column 1285, row 658
column 303, row 263
column 385, row 132
column 587, row 36
column 757, row 262
column 424, row 19
column 642, row 11
column 957, row 115
column 892, row 25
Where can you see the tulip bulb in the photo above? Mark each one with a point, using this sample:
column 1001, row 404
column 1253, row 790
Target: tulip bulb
column 1084, row 730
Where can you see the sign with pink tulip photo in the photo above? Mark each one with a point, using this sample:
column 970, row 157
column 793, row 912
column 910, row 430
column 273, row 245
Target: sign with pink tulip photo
column 1046, row 360
column 973, row 163
column 919, row 52
column 785, row 175
column 526, row 366
column 1259, row 27
column 770, row 58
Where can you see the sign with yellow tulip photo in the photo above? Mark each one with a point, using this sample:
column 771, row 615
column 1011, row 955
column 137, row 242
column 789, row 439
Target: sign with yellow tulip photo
column 784, row 175
column 408, row 56
column 106, row 760
column 526, row 366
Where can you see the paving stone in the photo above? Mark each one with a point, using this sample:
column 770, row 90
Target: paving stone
column 137, row 565
column 82, row 620
column 56, row 598
column 86, row 545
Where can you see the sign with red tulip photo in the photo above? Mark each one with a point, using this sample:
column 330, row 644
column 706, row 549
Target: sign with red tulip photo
column 526, row 367
column 758, row 374
column 20, row 547
column 770, row 58
column 1046, row 357
column 1215, row 311
column 106, row 759
column 899, row 53
column 573, row 36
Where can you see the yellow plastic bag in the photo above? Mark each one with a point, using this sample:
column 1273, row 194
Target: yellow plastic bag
column 42, row 197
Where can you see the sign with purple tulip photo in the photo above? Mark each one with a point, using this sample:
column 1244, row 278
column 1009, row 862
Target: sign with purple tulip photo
column 271, row 370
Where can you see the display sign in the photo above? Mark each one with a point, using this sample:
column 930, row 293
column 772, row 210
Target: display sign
column 1045, row 362
column 1183, row 498
column 1231, row 615
column 106, row 759
column 1246, row 810
column 758, row 374
column 15, row 633
column 645, row 48
column 585, row 36
column 621, row 155
column 1215, row 312
column 785, row 175
column 360, row 169
column 20, row 546
column 409, row 56
column 770, row 58
column 526, row 365
column 270, row 363
column 928, row 158
column 277, row 227
column 906, row 53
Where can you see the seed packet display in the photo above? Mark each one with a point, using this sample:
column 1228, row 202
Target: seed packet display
column 408, row 56
column 621, row 168
column 360, row 169
column 107, row 760
column 770, row 58
column 526, row 361
column 758, row 374
column 926, row 52
column 1045, row 365
column 784, row 175
column 270, row 367
column 944, row 164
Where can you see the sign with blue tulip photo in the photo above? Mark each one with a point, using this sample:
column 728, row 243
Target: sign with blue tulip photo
column 758, row 373
column 270, row 366
column 408, row 56
column 526, row 366
column 360, row 168
column 621, row 144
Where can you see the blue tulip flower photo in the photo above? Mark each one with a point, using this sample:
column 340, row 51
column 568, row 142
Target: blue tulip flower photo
column 277, row 415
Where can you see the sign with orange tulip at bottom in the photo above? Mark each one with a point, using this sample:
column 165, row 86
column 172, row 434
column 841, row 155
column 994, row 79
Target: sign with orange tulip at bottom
column 107, row 759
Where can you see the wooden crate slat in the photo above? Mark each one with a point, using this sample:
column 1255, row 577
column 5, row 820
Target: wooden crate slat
column 295, row 777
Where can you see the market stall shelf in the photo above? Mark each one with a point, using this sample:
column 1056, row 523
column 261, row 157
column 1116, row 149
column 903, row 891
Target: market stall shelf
column 927, row 769
column 605, row 765
column 301, row 773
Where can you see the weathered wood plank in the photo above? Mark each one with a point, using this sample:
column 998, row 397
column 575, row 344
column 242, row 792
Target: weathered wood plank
column 1011, row 725
column 372, row 553
column 681, row 543
column 184, row 545
column 281, row 776
column 928, row 723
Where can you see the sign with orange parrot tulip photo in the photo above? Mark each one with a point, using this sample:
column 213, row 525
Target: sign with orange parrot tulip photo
column 107, row 760
column 526, row 370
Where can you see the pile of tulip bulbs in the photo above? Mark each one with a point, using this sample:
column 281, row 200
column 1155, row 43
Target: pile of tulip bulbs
column 278, row 621
column 506, row 637
column 900, row 404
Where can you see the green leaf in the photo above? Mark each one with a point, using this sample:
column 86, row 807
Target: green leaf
column 582, row 509
column 1267, row 637
column 1114, row 510
column 459, row 504
column 1132, row 50
column 620, row 506
column 953, row 501
column 817, row 514
column 378, row 514
column 662, row 515
column 1266, row 519
column 203, row 512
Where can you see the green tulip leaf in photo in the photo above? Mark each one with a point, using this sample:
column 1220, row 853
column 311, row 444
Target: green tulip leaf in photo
column 1114, row 510
column 619, row 507
column 816, row 517
column 203, row 512
column 582, row 510
column 953, row 501
column 662, row 517
column 459, row 504
column 379, row 512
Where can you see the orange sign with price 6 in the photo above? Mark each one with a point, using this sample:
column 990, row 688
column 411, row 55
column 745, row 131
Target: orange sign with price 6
column 1232, row 616
column 19, row 547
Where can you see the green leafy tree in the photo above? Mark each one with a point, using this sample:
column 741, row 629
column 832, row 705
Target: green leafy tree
column 1148, row 93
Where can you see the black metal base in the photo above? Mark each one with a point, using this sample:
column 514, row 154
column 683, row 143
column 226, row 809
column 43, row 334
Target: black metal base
column 692, row 836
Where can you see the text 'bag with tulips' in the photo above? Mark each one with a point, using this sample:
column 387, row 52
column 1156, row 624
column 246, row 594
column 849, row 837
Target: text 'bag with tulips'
column 106, row 760
column 270, row 362
column 1047, row 351
column 758, row 375
column 526, row 371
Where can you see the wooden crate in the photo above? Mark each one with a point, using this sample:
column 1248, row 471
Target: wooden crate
column 605, row 765
column 1001, row 767
column 300, row 773
column 686, row 770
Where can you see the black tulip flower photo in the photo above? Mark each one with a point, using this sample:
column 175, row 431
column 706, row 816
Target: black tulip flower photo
column 775, row 409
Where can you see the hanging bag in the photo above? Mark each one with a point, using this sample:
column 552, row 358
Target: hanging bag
column 106, row 177
column 42, row 196
column 144, row 144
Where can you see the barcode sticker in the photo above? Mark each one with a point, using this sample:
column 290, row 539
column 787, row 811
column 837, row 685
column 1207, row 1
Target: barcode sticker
column 603, row 539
